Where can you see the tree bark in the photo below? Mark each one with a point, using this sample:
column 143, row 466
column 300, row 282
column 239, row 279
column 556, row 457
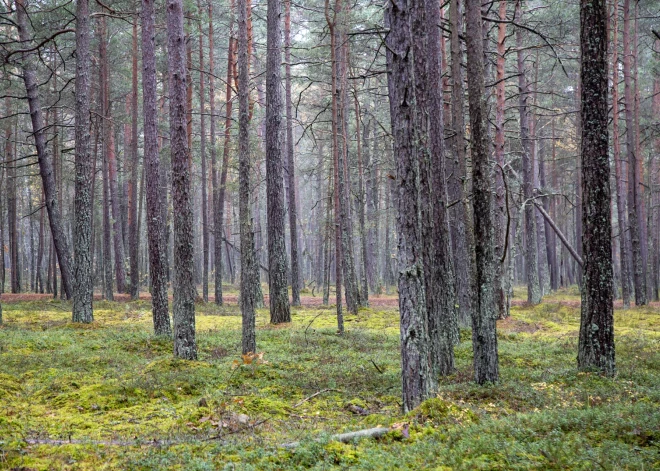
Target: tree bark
column 202, row 128
column 249, row 266
column 83, row 284
column 183, row 284
column 291, row 177
column 277, row 260
column 45, row 162
column 596, row 340
column 418, row 378
column 484, row 335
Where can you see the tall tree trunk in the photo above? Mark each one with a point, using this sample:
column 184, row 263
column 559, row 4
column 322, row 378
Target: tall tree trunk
column 249, row 265
column 596, row 341
column 418, row 379
column 656, row 186
column 531, row 252
column 332, row 21
column 484, row 335
column 156, row 237
column 364, row 249
column 291, row 177
column 620, row 185
column 501, row 213
column 183, row 284
column 133, row 215
column 202, row 128
column 218, row 219
column 460, row 224
column 12, row 219
column 634, row 184
column 429, row 135
column 44, row 159
column 83, row 284
column 277, row 262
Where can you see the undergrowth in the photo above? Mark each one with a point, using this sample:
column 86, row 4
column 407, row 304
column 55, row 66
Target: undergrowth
column 110, row 396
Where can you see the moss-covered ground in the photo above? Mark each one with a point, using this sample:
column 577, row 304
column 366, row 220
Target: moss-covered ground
column 110, row 396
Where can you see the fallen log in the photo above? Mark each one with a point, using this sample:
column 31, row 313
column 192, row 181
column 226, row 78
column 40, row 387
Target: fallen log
column 376, row 432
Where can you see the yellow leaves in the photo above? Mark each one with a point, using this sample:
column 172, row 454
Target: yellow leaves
column 249, row 358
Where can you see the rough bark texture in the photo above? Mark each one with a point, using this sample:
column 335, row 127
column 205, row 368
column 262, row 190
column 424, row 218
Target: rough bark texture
column 461, row 230
column 82, row 233
column 43, row 157
column 155, row 221
column 417, row 376
column 596, row 341
column 277, row 260
column 484, row 335
column 249, row 266
column 291, row 176
column 429, row 136
column 183, row 283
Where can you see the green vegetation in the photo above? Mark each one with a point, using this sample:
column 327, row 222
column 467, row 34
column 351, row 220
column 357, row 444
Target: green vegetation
column 110, row 396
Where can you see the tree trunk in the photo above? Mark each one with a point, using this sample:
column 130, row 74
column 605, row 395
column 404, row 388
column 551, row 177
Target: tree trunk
column 12, row 219
column 291, row 180
column 336, row 167
column 418, row 379
column 461, row 230
column 531, row 252
column 183, row 285
column 277, row 262
column 156, row 237
column 83, row 284
column 133, row 215
column 202, row 128
column 45, row 162
column 634, row 184
column 620, row 185
column 429, row 135
column 484, row 335
column 249, row 265
column 596, row 341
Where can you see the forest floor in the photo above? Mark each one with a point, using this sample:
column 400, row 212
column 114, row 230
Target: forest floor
column 110, row 396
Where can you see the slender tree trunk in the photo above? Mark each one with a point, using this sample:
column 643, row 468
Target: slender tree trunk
column 249, row 265
column 364, row 249
column 484, row 335
column 596, row 341
column 418, row 379
column 183, row 284
column 44, row 159
column 336, row 166
column 531, row 252
column 634, row 185
column 501, row 214
column 202, row 127
column 618, row 165
column 291, row 180
column 460, row 224
column 217, row 221
column 277, row 262
column 656, row 186
column 133, row 215
column 12, row 219
column 156, row 237
column 83, row 285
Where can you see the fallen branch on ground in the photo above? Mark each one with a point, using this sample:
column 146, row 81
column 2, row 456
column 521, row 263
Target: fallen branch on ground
column 376, row 432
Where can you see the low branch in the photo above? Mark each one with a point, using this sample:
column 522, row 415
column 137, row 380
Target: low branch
column 561, row 236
